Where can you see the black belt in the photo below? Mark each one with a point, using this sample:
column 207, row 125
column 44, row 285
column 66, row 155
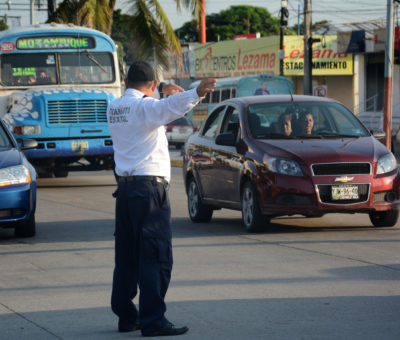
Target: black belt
column 156, row 179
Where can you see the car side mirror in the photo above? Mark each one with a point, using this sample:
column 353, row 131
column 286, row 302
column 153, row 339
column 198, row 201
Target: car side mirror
column 27, row 143
column 379, row 135
column 227, row 139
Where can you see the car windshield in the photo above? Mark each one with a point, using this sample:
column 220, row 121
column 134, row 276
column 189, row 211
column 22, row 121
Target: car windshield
column 41, row 68
column 303, row 120
column 5, row 142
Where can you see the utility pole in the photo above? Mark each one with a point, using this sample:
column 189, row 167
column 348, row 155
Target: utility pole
column 32, row 11
column 202, row 26
column 389, row 55
column 284, row 23
column 307, row 48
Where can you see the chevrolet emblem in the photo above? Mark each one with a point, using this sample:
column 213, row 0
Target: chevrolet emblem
column 344, row 179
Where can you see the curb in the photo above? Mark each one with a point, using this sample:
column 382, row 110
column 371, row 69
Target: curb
column 177, row 163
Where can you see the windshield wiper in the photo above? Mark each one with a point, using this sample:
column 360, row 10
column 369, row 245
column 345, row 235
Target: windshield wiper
column 92, row 58
column 337, row 135
column 272, row 136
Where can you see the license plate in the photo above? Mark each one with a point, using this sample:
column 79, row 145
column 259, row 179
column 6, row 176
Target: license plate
column 80, row 145
column 344, row 192
column 183, row 130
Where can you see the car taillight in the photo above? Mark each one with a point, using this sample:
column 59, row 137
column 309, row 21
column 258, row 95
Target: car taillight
column 169, row 128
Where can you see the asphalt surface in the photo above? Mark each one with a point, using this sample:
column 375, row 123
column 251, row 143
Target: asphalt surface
column 326, row 278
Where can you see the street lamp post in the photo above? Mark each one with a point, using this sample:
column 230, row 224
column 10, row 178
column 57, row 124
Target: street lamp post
column 284, row 23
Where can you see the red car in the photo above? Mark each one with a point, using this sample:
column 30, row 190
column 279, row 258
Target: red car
column 284, row 155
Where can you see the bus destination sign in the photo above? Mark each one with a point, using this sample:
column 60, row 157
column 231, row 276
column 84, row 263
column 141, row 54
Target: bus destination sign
column 54, row 42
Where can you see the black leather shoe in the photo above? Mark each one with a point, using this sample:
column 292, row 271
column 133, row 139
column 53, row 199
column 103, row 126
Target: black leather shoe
column 169, row 329
column 123, row 327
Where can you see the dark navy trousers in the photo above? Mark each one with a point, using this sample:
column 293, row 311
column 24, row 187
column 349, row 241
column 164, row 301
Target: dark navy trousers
column 143, row 253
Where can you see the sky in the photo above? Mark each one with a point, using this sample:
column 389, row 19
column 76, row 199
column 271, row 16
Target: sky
column 335, row 11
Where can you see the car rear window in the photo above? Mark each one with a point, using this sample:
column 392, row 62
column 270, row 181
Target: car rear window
column 181, row 121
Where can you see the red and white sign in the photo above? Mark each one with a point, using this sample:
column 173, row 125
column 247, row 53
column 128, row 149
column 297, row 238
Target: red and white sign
column 320, row 90
column 7, row 47
column 246, row 36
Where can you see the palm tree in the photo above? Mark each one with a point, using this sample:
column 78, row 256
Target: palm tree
column 197, row 8
column 153, row 35
column 96, row 14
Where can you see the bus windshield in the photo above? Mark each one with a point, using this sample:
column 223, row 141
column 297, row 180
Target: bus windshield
column 41, row 68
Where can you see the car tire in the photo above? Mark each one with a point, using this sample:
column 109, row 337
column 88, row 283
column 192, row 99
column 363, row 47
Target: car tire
column 198, row 212
column 384, row 218
column 253, row 220
column 26, row 228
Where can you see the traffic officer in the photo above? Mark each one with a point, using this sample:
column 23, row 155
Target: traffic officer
column 143, row 250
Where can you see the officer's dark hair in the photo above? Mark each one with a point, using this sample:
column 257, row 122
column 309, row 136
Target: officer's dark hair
column 139, row 84
column 141, row 74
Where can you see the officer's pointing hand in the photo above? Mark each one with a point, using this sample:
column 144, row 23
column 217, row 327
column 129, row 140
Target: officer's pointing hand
column 172, row 88
column 205, row 86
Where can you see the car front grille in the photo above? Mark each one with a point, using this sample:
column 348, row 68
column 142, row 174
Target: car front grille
column 77, row 111
column 333, row 169
column 325, row 194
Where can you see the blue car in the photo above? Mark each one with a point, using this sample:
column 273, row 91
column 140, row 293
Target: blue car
column 17, row 185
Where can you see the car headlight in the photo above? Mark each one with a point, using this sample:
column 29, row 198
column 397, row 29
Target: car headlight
column 386, row 164
column 27, row 129
column 282, row 166
column 18, row 174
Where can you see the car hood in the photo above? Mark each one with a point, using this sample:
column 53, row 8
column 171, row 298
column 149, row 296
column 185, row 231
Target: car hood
column 10, row 157
column 308, row 151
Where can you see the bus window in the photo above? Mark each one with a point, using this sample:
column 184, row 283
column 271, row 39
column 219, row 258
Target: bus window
column 28, row 69
column 86, row 68
column 206, row 99
column 233, row 95
column 225, row 94
column 215, row 96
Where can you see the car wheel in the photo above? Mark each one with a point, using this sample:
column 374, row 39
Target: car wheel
column 26, row 228
column 198, row 211
column 384, row 218
column 253, row 219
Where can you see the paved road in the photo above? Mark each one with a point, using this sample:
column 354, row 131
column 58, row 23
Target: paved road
column 325, row 278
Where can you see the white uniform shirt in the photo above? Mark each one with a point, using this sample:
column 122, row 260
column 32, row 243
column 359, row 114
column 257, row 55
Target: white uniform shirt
column 138, row 133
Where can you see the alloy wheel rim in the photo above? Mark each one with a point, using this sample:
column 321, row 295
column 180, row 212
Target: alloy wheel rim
column 247, row 207
column 193, row 199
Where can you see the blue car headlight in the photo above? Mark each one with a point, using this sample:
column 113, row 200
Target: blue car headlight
column 18, row 174
column 386, row 164
column 282, row 166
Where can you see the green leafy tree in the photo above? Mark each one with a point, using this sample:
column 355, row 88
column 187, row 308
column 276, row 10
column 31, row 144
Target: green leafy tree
column 236, row 20
column 3, row 25
column 96, row 14
column 122, row 32
column 153, row 36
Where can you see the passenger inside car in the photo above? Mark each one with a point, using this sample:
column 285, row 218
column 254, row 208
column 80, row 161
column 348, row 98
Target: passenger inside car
column 285, row 124
column 306, row 123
